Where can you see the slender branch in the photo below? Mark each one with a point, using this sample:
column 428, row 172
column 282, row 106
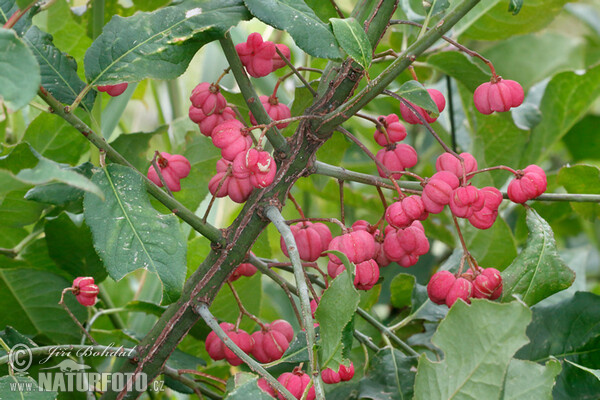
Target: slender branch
column 174, row 374
column 211, row 321
column 115, row 319
column 298, row 208
column 160, row 175
column 243, row 310
column 206, row 230
column 63, row 305
column 337, row 9
column 275, row 216
column 451, row 111
column 296, row 72
column 12, row 21
column 342, row 216
column 252, row 99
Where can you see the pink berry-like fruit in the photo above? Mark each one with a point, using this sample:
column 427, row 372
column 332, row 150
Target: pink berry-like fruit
column 447, row 162
column 276, row 110
column 488, row 284
column 311, row 240
column 207, row 97
column 214, row 345
column 256, row 55
column 404, row 246
column 438, row 190
column 403, row 212
column 529, row 184
column 208, row 123
column 460, row 289
column 366, row 275
column 485, row 218
column 244, row 269
column 394, row 128
column 173, row 168
column 278, row 62
column 397, row 157
column 465, row 201
column 238, row 190
column 85, row 290
column 358, row 246
column 439, row 285
column 295, row 382
column 409, row 116
column 231, row 138
column 257, row 166
column 265, row 387
column 500, row 95
column 113, row 90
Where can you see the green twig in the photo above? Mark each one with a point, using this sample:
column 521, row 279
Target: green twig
column 273, row 214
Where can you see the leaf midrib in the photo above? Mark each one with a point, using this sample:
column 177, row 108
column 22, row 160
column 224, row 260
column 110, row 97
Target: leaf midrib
column 132, row 226
column 10, row 288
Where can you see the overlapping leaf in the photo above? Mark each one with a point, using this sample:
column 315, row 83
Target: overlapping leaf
column 352, row 38
column 390, row 376
column 19, row 70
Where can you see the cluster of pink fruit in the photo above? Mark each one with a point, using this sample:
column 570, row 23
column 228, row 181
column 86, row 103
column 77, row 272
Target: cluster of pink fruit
column 265, row 345
column 445, row 288
column 173, row 168
column 85, row 290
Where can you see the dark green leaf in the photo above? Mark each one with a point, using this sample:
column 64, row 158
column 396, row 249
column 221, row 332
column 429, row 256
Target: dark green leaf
column 70, row 247
column 582, row 179
column 23, row 388
column 569, row 330
column 135, row 146
column 23, row 4
column 494, row 247
column 496, row 331
column 515, row 6
column 301, row 22
column 538, row 270
column 352, row 38
column 416, row 93
column 129, row 234
column 324, row 9
column 59, row 72
column 245, row 387
column 30, row 304
column 160, row 44
column 7, row 9
column 336, row 309
column 145, row 307
column 460, row 67
column 296, row 352
column 54, row 138
column 401, row 290
column 150, row 5
column 583, row 140
column 20, row 73
column 560, row 115
column 390, row 376
column 526, row 380
column 60, row 194
column 225, row 308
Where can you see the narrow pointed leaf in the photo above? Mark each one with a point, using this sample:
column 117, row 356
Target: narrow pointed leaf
column 352, row 38
column 58, row 71
column 300, row 21
column 129, row 234
column 474, row 366
column 19, row 71
column 538, row 270
column 159, row 44
column 416, row 93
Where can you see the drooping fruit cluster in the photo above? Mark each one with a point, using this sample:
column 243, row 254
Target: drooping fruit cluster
column 395, row 156
column 85, row 290
column 528, row 184
column 113, row 90
column 445, row 288
column 295, row 382
column 342, row 375
column 173, row 168
column 396, row 132
column 498, row 95
column 409, row 116
column 260, row 57
column 209, row 107
column 312, row 239
column 266, row 345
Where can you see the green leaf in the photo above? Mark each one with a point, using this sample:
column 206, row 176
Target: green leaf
column 390, row 376
column 24, row 3
column 20, row 73
column 489, row 20
column 526, row 380
column 70, row 247
column 401, row 290
column 297, row 351
column 300, row 21
column 568, row 330
column 31, row 168
column 23, row 388
column 473, row 367
column 538, row 270
column 352, row 38
column 416, row 93
column 145, row 307
column 58, row 70
column 225, row 308
column 595, row 372
column 135, row 147
column 582, row 179
column 515, row 6
column 324, row 9
column 160, row 44
column 60, row 194
column 560, row 115
column 129, row 234
column 245, row 387
column 494, row 247
column 8, row 8
column 30, row 304
column 583, row 140
column 150, row 5
column 336, row 309
column 54, row 138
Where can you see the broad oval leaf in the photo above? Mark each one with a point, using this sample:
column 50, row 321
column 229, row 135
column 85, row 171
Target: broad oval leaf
column 416, row 93
column 582, row 179
column 352, row 38
column 19, row 71
column 526, row 380
column 390, row 376
column 159, row 44
column 129, row 234
column 58, row 71
column 300, row 21
column 538, row 270
column 473, row 366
